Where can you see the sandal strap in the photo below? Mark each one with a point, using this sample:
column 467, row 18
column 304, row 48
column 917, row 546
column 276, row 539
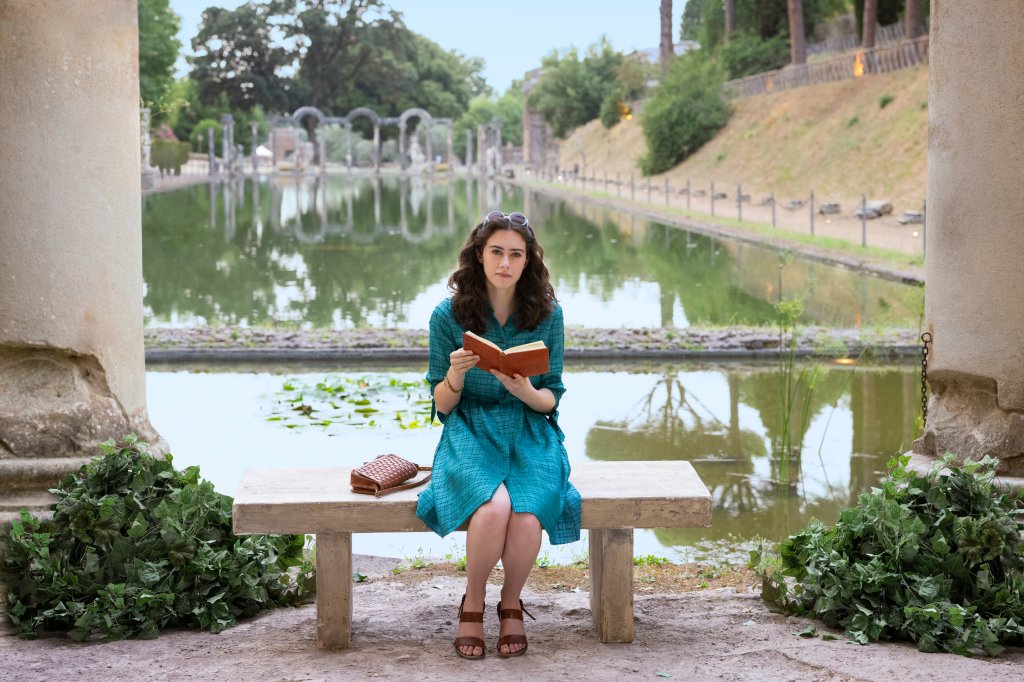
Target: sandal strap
column 469, row 616
column 470, row 641
column 514, row 613
column 506, row 640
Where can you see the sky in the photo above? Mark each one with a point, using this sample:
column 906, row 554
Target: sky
column 512, row 37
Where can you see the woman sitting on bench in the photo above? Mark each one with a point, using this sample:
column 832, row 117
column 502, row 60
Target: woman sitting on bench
column 500, row 462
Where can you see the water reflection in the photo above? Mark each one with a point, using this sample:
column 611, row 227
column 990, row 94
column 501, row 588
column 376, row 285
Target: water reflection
column 337, row 252
column 720, row 417
column 726, row 423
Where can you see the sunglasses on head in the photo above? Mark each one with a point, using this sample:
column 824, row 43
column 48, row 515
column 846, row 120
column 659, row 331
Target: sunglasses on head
column 514, row 218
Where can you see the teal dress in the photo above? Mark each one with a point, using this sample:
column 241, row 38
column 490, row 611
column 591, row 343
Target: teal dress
column 491, row 437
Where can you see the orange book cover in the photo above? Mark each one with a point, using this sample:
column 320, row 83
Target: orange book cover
column 526, row 360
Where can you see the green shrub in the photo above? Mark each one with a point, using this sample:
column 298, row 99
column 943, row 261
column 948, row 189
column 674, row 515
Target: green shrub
column 685, row 111
column 884, row 101
column 135, row 546
column 198, row 137
column 611, row 109
column 934, row 558
column 746, row 54
column 169, row 155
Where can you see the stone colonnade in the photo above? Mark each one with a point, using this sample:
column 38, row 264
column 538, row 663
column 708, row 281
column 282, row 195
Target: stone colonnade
column 72, row 368
column 975, row 283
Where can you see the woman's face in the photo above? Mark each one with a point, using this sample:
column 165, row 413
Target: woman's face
column 503, row 259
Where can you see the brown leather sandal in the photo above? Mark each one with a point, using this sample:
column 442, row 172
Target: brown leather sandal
column 470, row 617
column 508, row 640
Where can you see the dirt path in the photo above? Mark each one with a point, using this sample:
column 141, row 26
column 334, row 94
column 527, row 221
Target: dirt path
column 403, row 628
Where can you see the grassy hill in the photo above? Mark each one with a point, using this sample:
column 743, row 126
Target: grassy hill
column 835, row 138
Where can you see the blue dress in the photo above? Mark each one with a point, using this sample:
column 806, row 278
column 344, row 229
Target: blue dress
column 492, row 437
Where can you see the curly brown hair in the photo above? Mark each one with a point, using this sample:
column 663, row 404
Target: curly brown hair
column 534, row 297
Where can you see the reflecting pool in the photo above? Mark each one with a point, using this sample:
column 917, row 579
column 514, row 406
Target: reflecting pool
column 341, row 252
column 722, row 417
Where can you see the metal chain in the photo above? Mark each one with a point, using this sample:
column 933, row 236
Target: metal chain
column 926, row 342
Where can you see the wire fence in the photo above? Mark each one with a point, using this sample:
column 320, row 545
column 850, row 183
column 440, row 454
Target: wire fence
column 858, row 220
column 899, row 55
column 851, row 41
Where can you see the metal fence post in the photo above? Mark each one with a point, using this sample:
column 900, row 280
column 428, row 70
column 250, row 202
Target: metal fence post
column 687, row 194
column 773, row 209
column 712, row 198
column 863, row 220
column 812, row 212
column 618, row 184
column 648, row 190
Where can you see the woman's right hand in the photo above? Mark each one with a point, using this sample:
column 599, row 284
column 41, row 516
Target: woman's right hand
column 462, row 361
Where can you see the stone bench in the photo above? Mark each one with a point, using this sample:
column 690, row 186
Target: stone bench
column 617, row 497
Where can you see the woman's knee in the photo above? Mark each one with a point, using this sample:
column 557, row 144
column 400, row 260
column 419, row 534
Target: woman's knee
column 524, row 521
column 496, row 510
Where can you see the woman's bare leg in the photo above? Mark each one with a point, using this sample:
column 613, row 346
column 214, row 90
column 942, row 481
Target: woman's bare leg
column 485, row 540
column 522, row 543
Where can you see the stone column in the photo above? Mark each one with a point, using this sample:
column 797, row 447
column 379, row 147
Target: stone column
column 72, row 366
column 254, row 126
column 227, row 140
column 975, row 228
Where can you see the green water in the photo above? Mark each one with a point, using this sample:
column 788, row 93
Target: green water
column 341, row 253
column 724, row 418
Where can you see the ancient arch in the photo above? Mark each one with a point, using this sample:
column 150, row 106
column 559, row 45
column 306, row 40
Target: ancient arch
column 372, row 115
column 403, row 121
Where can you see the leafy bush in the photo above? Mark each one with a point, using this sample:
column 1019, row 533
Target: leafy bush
column 884, row 101
column 198, row 137
column 135, row 546
column 571, row 90
column 935, row 558
column 611, row 109
column 686, row 110
column 745, row 54
column 169, row 155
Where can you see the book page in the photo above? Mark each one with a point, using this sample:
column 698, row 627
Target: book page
column 482, row 340
column 526, row 346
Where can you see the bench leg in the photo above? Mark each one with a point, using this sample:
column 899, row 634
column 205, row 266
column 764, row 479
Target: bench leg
column 333, row 590
column 611, row 583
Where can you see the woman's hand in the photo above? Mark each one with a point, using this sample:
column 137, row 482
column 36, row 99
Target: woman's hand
column 517, row 385
column 462, row 361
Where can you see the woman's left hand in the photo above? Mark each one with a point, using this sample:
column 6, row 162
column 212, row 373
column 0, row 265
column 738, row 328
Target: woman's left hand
column 517, row 385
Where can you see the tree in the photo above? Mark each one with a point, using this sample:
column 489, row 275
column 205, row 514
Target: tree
column 692, row 20
column 336, row 41
column 666, row 51
column 235, row 57
column 797, row 40
column 913, row 24
column 730, row 18
column 158, row 49
column 870, row 23
column 570, row 90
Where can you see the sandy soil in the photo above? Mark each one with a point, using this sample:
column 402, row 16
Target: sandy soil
column 403, row 627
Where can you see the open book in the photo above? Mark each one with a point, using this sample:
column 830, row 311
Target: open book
column 526, row 360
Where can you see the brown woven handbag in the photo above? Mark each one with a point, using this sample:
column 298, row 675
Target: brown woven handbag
column 385, row 474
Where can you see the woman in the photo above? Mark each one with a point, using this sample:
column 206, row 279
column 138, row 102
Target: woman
column 500, row 463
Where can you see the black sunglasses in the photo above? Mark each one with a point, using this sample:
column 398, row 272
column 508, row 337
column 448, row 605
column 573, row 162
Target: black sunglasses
column 514, row 218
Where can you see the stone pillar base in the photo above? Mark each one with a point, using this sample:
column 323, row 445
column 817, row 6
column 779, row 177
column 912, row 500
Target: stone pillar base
column 55, row 408
column 964, row 418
